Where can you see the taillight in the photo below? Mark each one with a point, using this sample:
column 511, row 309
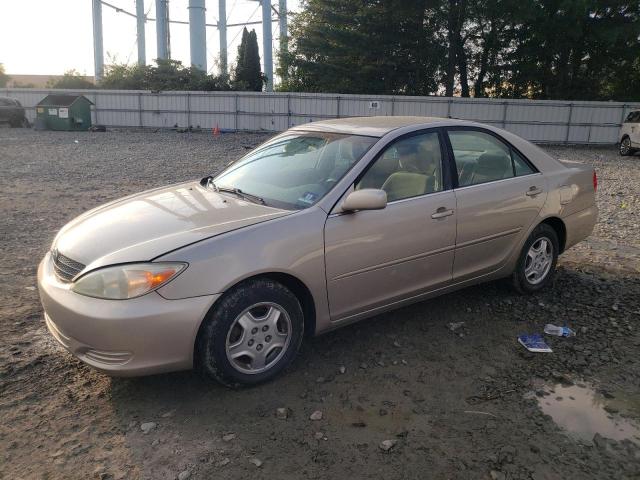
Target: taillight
column 595, row 181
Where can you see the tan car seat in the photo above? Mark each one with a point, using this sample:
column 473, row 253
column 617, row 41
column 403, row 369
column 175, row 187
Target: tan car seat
column 492, row 166
column 380, row 171
column 426, row 161
column 410, row 181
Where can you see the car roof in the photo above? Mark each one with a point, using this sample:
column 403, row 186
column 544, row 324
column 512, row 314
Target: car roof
column 376, row 126
column 380, row 126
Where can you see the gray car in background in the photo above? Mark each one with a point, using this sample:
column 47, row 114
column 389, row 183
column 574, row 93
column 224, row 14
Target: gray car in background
column 12, row 112
column 323, row 225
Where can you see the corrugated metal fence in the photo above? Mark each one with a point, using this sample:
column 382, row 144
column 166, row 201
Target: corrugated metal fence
column 542, row 121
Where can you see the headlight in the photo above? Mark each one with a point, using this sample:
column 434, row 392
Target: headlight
column 126, row 281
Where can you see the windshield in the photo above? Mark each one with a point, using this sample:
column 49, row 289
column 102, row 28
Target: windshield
column 296, row 169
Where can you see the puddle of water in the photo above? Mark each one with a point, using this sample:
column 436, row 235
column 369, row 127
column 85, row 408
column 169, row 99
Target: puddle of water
column 580, row 410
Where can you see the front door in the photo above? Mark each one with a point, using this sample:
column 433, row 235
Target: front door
column 375, row 258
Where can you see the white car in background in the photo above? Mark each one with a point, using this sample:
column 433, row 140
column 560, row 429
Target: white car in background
column 630, row 134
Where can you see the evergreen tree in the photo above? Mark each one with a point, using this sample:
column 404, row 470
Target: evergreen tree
column 551, row 49
column 362, row 47
column 247, row 75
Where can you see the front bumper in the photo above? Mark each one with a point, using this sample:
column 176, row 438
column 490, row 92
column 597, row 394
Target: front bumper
column 140, row 336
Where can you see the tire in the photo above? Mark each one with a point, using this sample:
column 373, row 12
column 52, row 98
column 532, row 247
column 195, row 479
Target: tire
column 624, row 149
column 257, row 321
column 542, row 247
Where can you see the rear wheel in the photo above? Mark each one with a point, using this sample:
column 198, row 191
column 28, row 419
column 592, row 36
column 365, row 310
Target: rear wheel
column 251, row 335
column 625, row 147
column 537, row 261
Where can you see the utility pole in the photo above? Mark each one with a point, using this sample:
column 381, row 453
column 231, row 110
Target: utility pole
column 198, row 34
column 162, row 29
column 222, row 28
column 267, row 40
column 98, row 55
column 284, row 40
column 282, row 20
column 140, row 21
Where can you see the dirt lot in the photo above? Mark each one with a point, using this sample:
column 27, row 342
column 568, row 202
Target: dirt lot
column 456, row 404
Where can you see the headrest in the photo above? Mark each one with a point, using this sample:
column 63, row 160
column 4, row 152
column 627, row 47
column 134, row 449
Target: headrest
column 494, row 164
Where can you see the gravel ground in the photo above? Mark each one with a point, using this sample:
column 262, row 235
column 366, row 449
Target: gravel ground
column 401, row 395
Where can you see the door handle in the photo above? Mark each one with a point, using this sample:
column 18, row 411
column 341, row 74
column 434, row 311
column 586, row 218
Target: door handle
column 441, row 213
column 533, row 191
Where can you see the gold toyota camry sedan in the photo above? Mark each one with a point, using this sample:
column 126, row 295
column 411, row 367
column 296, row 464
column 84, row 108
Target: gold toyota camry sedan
column 324, row 224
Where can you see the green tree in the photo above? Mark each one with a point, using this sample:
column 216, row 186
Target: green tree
column 576, row 49
column 477, row 36
column 164, row 75
column 247, row 75
column 4, row 78
column 383, row 46
column 72, row 80
column 555, row 49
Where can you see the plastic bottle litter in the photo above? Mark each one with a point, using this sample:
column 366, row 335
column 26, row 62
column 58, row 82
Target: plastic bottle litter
column 550, row 329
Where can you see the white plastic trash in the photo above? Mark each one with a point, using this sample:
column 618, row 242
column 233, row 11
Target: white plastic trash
column 550, row 329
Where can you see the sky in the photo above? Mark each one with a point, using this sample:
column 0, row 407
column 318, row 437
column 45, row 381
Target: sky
column 53, row 36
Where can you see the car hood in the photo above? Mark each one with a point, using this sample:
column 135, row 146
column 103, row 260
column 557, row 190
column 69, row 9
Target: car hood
column 142, row 227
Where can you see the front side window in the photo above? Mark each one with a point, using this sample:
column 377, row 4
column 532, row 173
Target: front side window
column 481, row 158
column 410, row 167
column 633, row 117
column 296, row 169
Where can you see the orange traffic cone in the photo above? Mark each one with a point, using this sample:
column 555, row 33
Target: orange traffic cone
column 216, row 131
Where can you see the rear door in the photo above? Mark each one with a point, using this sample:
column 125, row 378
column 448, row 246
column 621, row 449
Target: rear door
column 378, row 257
column 499, row 194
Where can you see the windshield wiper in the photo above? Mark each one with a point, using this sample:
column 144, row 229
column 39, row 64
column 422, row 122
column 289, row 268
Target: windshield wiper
column 238, row 192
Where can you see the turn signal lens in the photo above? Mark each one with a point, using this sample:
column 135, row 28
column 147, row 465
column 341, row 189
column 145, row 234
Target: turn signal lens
column 126, row 281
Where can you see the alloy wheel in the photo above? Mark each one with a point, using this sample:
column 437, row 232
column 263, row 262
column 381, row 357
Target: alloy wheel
column 625, row 146
column 539, row 260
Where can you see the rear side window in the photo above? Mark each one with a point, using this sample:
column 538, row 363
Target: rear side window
column 481, row 158
column 520, row 165
column 633, row 117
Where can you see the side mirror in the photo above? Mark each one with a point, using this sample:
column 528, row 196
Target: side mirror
column 365, row 199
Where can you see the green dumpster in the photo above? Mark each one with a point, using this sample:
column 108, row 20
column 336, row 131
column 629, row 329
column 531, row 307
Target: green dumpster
column 64, row 112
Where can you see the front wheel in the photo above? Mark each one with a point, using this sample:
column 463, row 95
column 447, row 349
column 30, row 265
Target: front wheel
column 537, row 262
column 251, row 335
column 625, row 147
